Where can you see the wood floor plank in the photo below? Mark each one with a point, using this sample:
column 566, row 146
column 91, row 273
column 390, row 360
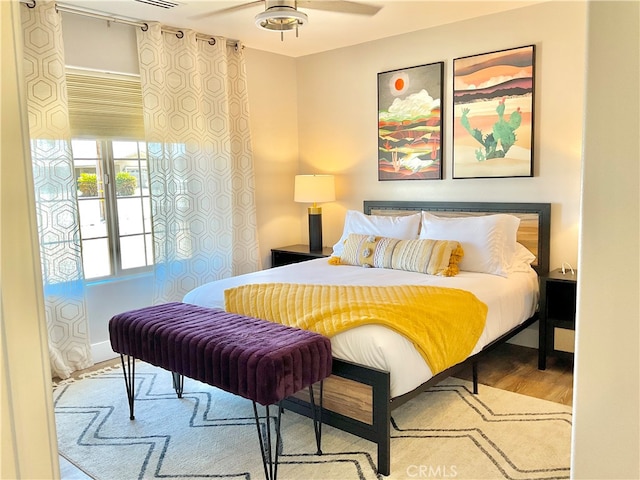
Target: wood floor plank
column 515, row 368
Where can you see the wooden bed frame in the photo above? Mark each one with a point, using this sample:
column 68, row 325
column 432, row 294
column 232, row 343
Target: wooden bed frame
column 357, row 399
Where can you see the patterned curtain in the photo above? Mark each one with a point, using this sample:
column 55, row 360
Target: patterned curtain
column 55, row 190
column 200, row 160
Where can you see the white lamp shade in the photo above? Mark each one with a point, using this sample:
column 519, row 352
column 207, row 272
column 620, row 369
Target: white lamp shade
column 314, row 188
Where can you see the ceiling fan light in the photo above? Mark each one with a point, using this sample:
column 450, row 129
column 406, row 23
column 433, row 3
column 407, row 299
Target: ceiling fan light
column 281, row 18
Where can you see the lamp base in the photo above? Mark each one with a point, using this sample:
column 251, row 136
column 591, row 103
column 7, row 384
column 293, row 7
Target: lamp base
column 315, row 229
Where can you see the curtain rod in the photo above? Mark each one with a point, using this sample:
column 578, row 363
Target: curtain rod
column 130, row 21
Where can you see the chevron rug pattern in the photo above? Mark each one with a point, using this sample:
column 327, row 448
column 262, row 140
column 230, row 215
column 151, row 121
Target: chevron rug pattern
column 446, row 432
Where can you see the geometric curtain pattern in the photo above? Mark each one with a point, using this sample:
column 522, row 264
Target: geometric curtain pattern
column 55, row 190
column 200, row 161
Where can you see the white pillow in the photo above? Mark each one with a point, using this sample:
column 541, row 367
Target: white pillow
column 404, row 227
column 522, row 259
column 488, row 241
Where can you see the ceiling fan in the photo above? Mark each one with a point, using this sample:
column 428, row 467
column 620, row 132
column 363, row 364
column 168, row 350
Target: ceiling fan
column 283, row 15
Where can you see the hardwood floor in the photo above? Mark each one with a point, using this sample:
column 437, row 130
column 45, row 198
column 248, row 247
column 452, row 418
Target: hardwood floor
column 515, row 368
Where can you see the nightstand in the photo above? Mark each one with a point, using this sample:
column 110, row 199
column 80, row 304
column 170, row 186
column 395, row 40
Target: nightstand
column 296, row 253
column 557, row 309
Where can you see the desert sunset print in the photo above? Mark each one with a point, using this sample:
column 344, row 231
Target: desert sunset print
column 493, row 114
column 410, row 123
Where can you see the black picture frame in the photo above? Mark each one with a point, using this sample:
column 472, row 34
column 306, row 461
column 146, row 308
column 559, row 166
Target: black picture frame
column 410, row 126
column 493, row 114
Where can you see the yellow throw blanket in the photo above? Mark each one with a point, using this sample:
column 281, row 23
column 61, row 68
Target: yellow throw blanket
column 443, row 323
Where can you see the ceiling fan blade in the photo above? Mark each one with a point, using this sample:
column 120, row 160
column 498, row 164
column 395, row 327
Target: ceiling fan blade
column 223, row 11
column 340, row 6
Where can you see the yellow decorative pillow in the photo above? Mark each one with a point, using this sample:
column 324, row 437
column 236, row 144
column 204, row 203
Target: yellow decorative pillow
column 434, row 257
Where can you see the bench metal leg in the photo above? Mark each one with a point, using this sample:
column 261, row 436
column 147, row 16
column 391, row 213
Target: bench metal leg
column 269, row 453
column 129, row 370
column 316, row 415
column 178, row 383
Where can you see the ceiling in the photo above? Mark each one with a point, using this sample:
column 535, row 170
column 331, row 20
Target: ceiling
column 324, row 30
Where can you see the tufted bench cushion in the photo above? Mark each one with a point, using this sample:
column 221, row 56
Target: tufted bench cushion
column 256, row 359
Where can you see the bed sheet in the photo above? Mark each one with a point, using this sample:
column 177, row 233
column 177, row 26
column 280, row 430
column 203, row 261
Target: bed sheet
column 511, row 300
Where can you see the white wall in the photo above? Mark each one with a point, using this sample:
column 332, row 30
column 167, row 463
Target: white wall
column 606, row 437
column 273, row 92
column 338, row 115
column 606, row 421
column 99, row 45
column 337, row 111
column 318, row 114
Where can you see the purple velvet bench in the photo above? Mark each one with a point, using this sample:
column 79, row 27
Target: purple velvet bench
column 262, row 361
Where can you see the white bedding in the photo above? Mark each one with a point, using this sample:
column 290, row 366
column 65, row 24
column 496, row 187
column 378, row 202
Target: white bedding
column 511, row 300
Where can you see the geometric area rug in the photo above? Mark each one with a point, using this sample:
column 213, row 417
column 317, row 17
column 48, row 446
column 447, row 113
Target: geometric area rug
column 446, row 432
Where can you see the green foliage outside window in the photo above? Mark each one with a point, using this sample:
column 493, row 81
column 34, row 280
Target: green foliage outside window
column 88, row 184
column 125, row 184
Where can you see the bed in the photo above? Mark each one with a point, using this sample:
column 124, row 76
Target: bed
column 375, row 369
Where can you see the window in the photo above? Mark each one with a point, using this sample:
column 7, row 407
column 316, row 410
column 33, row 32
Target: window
column 114, row 206
column 110, row 163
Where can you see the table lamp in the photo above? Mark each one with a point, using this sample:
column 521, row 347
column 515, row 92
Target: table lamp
column 314, row 189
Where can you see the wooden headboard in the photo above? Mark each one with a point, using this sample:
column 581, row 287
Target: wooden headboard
column 535, row 219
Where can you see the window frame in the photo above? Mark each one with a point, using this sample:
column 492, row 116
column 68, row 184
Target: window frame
column 106, row 173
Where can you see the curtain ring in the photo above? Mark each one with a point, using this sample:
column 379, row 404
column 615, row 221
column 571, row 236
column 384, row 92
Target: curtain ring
column 144, row 27
column 212, row 41
column 31, row 4
column 180, row 34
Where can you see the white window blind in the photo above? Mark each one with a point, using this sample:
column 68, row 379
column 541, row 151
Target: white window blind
column 104, row 105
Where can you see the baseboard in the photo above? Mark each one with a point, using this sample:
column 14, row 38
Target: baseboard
column 102, row 352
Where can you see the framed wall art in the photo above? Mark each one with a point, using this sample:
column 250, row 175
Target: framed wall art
column 410, row 123
column 493, row 107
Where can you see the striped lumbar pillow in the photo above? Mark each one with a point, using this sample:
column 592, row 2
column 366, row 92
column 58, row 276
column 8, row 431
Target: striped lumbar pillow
column 434, row 257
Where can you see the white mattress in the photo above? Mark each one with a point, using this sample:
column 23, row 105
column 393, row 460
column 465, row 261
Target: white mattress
column 510, row 300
